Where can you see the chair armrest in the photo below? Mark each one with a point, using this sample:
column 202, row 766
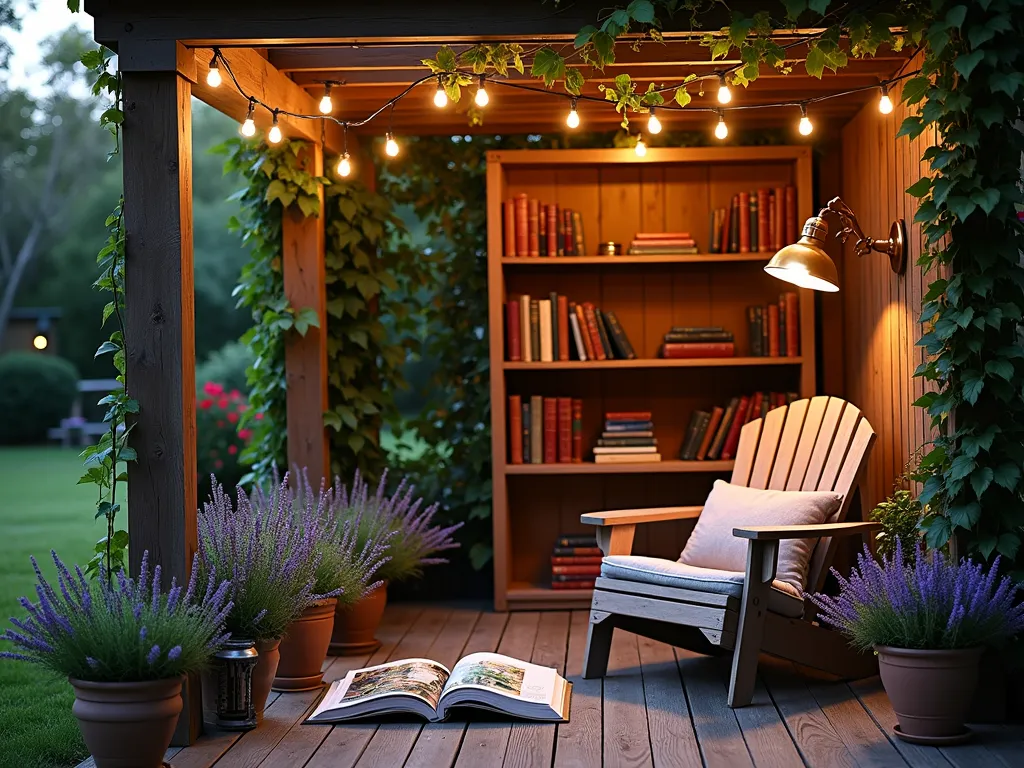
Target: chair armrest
column 635, row 516
column 779, row 532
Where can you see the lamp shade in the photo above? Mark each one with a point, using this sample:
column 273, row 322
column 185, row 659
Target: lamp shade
column 805, row 263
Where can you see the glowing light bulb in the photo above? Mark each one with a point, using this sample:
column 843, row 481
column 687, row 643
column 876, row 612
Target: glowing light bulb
column 213, row 78
column 721, row 130
column 40, row 342
column 573, row 118
column 391, row 146
column 482, row 98
column 806, row 126
column 724, row 94
column 344, row 166
column 274, row 136
column 248, row 128
column 884, row 102
column 326, row 104
column 641, row 147
column 653, row 123
column 440, row 97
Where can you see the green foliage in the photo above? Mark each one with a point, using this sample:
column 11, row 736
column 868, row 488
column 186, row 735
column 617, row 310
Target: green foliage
column 226, row 366
column 900, row 515
column 36, row 392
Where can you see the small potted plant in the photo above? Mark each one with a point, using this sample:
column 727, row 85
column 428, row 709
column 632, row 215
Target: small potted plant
column 414, row 543
column 346, row 566
column 272, row 564
column 929, row 623
column 125, row 647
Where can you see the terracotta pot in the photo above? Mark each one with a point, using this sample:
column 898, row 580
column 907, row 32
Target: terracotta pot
column 355, row 625
column 263, row 674
column 930, row 691
column 304, row 648
column 127, row 725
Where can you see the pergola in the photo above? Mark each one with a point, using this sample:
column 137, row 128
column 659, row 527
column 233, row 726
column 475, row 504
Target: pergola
column 282, row 53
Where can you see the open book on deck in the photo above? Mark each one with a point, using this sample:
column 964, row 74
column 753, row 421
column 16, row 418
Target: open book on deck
column 424, row 687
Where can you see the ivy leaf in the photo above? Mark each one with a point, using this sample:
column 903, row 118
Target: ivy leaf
column 912, row 127
column 332, row 420
column 815, row 62
column 965, row 63
column 972, row 386
column 641, row 11
column 573, row 81
column 446, row 58
column 604, row 47
column 105, row 348
column 721, row 48
column 956, row 15
column 920, row 187
column 965, row 515
column 549, row 65
column 961, row 467
column 990, row 114
column 961, row 206
column 1009, row 544
column 937, row 531
column 981, row 478
column 584, row 35
column 682, row 96
column 1007, row 82
column 987, row 545
column 1007, row 475
column 1001, row 368
column 915, row 88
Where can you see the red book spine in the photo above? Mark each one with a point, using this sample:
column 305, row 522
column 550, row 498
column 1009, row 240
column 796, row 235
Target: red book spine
column 563, row 328
column 515, row 429
column 577, row 434
column 542, row 229
column 709, row 433
column 577, row 570
column 584, row 333
column 565, row 430
column 628, row 416
column 552, row 230
column 533, row 227
column 522, row 225
column 744, row 222
column 510, row 228
column 583, row 583
column 575, row 560
column 662, row 236
column 734, row 431
column 778, row 398
column 568, row 244
column 726, row 228
column 764, row 241
column 755, row 406
column 773, row 330
column 792, row 324
column 550, row 430
column 512, row 329
column 595, row 335
column 780, row 217
column 698, row 349
column 790, row 215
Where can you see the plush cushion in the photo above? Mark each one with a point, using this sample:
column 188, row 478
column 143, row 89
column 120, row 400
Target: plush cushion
column 666, row 573
column 712, row 544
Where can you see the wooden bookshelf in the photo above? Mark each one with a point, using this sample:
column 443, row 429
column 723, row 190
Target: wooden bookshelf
column 618, row 194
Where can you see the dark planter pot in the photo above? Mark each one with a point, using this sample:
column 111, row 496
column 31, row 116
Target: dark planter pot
column 304, row 648
column 263, row 674
column 355, row 625
column 127, row 725
column 930, row 691
column 227, row 687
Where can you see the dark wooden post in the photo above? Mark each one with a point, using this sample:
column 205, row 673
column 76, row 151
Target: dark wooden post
column 306, row 356
column 160, row 339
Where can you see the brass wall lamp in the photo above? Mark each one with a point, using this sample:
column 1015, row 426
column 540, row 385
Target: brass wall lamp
column 805, row 263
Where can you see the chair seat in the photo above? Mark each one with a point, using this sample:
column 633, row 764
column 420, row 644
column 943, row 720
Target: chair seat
column 669, row 573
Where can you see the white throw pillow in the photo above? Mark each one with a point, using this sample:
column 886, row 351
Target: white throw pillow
column 712, row 545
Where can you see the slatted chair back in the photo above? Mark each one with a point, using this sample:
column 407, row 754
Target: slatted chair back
column 820, row 444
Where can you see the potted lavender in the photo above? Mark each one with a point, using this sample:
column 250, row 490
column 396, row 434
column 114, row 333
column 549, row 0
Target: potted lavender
column 346, row 567
column 929, row 623
column 125, row 647
column 414, row 543
column 272, row 564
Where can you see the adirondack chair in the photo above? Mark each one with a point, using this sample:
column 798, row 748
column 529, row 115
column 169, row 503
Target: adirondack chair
column 817, row 444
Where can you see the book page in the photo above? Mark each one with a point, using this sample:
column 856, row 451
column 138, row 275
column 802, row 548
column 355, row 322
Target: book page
column 505, row 676
column 422, row 678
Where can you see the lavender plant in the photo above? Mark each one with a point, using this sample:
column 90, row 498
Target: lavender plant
column 414, row 541
column 120, row 630
column 934, row 603
column 270, row 561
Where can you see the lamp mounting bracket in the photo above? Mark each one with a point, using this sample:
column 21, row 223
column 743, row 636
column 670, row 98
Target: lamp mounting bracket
column 895, row 246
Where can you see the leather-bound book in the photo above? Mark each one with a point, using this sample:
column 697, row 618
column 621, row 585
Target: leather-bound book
column 550, row 430
column 744, row 218
column 515, row 429
column 565, row 430
column 513, row 330
column 522, row 225
column 510, row 228
column 563, row 328
column 533, row 227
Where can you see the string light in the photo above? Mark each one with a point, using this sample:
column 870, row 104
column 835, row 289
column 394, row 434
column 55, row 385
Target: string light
column 213, row 78
column 249, row 126
column 391, row 146
column 641, row 147
column 440, row 97
column 724, row 94
column 721, row 130
column 573, row 118
column 274, row 136
column 884, row 102
column 482, row 98
column 326, row 104
column 344, row 166
column 653, row 123
column 806, row 126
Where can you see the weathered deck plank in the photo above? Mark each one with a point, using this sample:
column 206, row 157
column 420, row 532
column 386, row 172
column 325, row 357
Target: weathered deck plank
column 718, row 732
column 874, row 700
column 763, row 729
column 578, row 742
column 673, row 740
column 863, row 738
column 627, row 741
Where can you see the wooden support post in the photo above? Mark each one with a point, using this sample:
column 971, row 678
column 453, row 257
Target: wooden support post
column 160, row 338
column 306, row 356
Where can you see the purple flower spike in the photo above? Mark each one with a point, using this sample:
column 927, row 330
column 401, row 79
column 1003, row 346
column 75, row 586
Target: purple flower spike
column 154, row 654
column 174, row 653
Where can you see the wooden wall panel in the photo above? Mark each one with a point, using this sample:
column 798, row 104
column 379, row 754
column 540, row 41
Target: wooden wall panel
column 881, row 309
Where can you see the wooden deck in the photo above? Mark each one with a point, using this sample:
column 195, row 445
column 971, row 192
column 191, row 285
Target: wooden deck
column 656, row 707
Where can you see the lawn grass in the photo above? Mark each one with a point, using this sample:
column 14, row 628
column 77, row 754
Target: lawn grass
column 41, row 508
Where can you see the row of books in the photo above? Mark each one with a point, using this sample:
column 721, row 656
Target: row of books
column 659, row 243
column 715, row 434
column 545, row 430
column 554, row 328
column 775, row 328
column 628, row 438
column 694, row 342
column 575, row 561
column 534, row 229
column 759, row 221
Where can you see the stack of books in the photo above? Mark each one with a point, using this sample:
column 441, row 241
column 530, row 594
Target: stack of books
column 628, row 438
column 575, row 562
column 763, row 220
column 715, row 434
column 658, row 243
column 554, row 328
column 534, row 229
column 545, row 430
column 707, row 341
column 775, row 328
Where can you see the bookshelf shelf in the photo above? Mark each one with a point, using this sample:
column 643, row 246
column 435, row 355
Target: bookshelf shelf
column 590, row 468
column 622, row 261
column 654, row 362
column 528, row 596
